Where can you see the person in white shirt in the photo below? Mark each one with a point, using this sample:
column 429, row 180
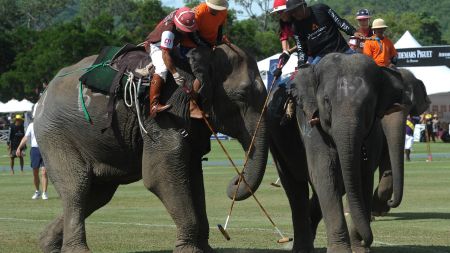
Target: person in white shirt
column 36, row 162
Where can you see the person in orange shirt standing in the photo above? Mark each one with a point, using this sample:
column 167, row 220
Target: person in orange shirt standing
column 379, row 47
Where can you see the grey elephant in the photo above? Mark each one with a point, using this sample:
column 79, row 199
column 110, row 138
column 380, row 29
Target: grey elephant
column 87, row 165
column 345, row 97
column 394, row 130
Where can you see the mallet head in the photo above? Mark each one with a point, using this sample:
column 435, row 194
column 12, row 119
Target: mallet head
column 224, row 232
column 284, row 240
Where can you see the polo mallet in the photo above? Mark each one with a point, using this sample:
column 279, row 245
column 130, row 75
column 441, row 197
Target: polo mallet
column 276, row 183
column 241, row 178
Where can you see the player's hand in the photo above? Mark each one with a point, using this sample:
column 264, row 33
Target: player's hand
column 179, row 79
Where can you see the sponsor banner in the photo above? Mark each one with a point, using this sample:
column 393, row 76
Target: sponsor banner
column 424, row 56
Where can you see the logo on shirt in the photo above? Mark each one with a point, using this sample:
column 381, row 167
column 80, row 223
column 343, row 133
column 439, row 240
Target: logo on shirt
column 314, row 26
column 168, row 41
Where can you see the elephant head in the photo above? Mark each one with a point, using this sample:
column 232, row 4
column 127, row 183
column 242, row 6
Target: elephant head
column 238, row 100
column 416, row 102
column 348, row 93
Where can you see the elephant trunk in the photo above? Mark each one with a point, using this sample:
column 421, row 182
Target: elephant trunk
column 348, row 142
column 257, row 160
column 394, row 130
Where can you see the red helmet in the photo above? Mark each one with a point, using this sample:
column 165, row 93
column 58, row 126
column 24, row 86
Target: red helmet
column 185, row 20
column 278, row 5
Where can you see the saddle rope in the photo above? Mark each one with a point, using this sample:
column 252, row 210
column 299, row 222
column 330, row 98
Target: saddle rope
column 130, row 90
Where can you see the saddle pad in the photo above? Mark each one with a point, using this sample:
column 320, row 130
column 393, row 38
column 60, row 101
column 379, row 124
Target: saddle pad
column 101, row 76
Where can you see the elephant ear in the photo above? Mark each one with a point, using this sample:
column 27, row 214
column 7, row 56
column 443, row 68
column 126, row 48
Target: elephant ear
column 392, row 96
column 416, row 91
column 304, row 90
column 199, row 60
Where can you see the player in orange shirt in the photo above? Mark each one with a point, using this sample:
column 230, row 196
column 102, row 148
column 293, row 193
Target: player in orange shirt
column 380, row 48
column 210, row 17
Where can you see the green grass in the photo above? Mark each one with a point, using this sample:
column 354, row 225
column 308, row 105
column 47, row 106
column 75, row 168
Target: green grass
column 136, row 221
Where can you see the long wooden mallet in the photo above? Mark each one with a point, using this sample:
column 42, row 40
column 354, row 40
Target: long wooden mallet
column 222, row 229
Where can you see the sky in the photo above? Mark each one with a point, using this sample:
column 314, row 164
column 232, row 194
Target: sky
column 180, row 3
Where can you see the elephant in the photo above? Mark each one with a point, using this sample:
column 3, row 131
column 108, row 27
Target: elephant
column 86, row 163
column 394, row 130
column 334, row 142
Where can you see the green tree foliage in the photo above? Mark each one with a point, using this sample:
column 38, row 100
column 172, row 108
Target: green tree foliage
column 37, row 38
column 427, row 20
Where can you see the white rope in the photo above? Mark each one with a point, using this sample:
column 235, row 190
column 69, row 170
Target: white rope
column 131, row 90
column 128, row 87
column 138, row 111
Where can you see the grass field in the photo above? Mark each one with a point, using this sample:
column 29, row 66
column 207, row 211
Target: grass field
column 136, row 221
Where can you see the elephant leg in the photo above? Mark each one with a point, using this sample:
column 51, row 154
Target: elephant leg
column 324, row 177
column 316, row 213
column 52, row 237
column 198, row 193
column 384, row 190
column 71, row 177
column 166, row 174
column 297, row 191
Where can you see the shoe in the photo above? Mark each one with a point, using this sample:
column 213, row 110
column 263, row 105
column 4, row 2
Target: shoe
column 44, row 196
column 155, row 91
column 36, row 195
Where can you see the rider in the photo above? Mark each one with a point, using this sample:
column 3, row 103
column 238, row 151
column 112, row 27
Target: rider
column 165, row 37
column 363, row 18
column 210, row 17
column 380, row 48
column 316, row 30
column 279, row 7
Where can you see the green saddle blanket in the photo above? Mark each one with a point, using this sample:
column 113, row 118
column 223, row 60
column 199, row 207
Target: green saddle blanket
column 107, row 66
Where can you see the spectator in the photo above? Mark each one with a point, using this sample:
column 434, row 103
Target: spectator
column 380, row 48
column 353, row 43
column 16, row 132
column 363, row 18
column 409, row 139
column 36, row 162
column 436, row 125
column 427, row 119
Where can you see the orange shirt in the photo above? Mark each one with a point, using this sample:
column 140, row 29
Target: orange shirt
column 381, row 51
column 208, row 25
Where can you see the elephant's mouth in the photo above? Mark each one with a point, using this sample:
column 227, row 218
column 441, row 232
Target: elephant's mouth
column 314, row 119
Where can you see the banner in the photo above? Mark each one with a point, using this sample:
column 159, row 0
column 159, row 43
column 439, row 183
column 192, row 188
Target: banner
column 424, row 56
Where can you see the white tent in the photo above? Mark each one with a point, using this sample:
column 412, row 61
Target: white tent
column 264, row 66
column 435, row 78
column 407, row 41
column 14, row 105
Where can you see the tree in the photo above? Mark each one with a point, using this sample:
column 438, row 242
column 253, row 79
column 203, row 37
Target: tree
column 263, row 6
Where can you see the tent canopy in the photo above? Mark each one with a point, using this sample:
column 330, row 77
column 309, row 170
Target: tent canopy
column 14, row 105
column 407, row 41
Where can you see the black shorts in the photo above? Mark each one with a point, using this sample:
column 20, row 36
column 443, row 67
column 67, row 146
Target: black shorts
column 36, row 158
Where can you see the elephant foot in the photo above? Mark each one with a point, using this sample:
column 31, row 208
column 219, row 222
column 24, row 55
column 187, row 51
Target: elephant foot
column 339, row 249
column 303, row 251
column 188, row 248
column 206, row 247
column 379, row 213
column 79, row 249
column 51, row 238
column 360, row 250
